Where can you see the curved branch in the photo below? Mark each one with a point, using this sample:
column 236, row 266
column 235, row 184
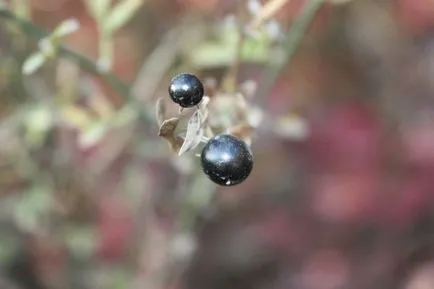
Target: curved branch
column 84, row 62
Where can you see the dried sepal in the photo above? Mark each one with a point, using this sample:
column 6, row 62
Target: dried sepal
column 243, row 131
column 249, row 88
column 194, row 133
column 255, row 116
column 208, row 132
column 168, row 127
column 204, row 104
column 167, row 131
column 242, row 106
column 210, row 86
column 160, row 111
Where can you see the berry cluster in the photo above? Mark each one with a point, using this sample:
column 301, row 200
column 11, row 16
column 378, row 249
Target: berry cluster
column 225, row 159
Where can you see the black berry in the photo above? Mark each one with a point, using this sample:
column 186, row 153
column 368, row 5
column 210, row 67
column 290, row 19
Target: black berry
column 186, row 90
column 226, row 160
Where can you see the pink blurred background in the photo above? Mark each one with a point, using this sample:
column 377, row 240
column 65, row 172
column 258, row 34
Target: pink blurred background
column 347, row 205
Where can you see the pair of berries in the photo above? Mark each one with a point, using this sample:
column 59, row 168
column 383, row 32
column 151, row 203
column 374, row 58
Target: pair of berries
column 225, row 159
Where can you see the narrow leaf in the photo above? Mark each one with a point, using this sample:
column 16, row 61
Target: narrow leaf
column 66, row 27
column 121, row 14
column 31, row 207
column 92, row 135
column 98, row 8
column 81, row 241
column 33, row 63
column 38, row 122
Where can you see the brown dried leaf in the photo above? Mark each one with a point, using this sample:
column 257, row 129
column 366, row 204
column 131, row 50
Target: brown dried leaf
column 168, row 127
column 167, row 131
column 160, row 110
column 194, row 133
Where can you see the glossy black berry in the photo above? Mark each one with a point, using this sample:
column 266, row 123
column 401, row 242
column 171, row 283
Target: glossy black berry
column 226, row 160
column 186, row 90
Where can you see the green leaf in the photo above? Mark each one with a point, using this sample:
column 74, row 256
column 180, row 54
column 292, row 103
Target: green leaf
column 39, row 120
column 65, row 28
column 81, row 241
column 98, row 8
column 216, row 53
column 32, row 206
column 224, row 51
column 33, row 63
column 8, row 248
column 20, row 7
column 212, row 55
column 124, row 116
column 121, row 14
column 256, row 50
column 92, row 135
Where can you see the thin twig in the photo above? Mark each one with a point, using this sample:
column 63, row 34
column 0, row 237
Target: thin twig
column 293, row 38
column 267, row 11
column 231, row 78
column 120, row 87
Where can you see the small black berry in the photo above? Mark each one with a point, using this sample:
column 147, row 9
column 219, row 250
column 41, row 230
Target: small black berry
column 186, row 90
column 226, row 160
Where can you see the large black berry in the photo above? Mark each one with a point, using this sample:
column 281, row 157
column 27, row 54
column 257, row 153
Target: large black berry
column 186, row 90
column 227, row 160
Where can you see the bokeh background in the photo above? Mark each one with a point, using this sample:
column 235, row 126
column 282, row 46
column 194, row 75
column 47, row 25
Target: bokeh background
column 342, row 191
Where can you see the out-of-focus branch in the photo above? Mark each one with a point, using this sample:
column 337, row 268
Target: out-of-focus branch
column 267, row 11
column 84, row 62
column 293, row 38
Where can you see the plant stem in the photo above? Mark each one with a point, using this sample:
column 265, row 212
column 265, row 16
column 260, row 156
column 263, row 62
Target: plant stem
column 106, row 51
column 293, row 37
column 267, row 11
column 120, row 87
column 230, row 79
